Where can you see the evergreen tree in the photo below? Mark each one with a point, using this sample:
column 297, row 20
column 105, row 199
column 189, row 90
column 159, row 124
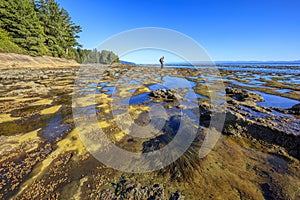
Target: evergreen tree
column 49, row 16
column 19, row 19
column 104, row 56
column 108, row 57
column 70, row 34
column 6, row 44
column 82, row 55
column 61, row 32
column 41, row 27
column 95, row 56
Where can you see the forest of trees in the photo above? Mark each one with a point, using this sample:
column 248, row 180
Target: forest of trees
column 104, row 56
column 42, row 27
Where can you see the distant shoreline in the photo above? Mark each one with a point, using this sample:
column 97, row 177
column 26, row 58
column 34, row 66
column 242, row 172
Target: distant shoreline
column 231, row 63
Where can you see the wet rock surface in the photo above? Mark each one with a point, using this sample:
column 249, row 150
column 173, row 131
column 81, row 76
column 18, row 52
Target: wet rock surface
column 165, row 95
column 177, row 196
column 295, row 109
column 111, row 72
column 32, row 82
column 17, row 163
column 260, row 124
column 243, row 95
column 43, row 157
column 125, row 190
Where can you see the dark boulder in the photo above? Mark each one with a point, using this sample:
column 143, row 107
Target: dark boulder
column 295, row 109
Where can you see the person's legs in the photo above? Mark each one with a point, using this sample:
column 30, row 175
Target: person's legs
column 161, row 65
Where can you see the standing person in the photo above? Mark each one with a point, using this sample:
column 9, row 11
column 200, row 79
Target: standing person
column 161, row 60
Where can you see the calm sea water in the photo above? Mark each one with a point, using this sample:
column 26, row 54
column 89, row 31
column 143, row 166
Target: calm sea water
column 282, row 68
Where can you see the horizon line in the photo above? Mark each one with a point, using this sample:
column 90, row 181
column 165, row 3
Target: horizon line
column 224, row 61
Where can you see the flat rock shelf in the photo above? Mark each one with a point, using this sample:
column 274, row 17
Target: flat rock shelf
column 42, row 155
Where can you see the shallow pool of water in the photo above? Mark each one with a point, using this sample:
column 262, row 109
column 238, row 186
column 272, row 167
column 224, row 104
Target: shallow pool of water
column 175, row 82
column 54, row 128
column 284, row 90
column 251, row 84
column 276, row 101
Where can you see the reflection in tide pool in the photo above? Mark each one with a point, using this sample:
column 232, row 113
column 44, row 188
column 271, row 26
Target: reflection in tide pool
column 276, row 101
column 175, row 82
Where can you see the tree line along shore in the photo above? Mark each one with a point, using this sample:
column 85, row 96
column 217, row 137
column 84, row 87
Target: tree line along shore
column 43, row 28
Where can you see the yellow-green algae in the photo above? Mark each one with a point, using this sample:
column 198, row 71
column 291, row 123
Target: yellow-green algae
column 71, row 143
column 51, row 110
column 42, row 102
column 7, row 118
column 91, row 99
column 118, row 136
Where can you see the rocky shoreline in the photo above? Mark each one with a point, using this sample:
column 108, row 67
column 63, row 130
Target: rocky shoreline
column 42, row 155
column 242, row 120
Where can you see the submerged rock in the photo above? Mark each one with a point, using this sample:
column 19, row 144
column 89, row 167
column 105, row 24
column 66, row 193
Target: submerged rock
column 165, row 95
column 243, row 95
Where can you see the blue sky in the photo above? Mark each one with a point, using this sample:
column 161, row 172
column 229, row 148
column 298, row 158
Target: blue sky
column 228, row 30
